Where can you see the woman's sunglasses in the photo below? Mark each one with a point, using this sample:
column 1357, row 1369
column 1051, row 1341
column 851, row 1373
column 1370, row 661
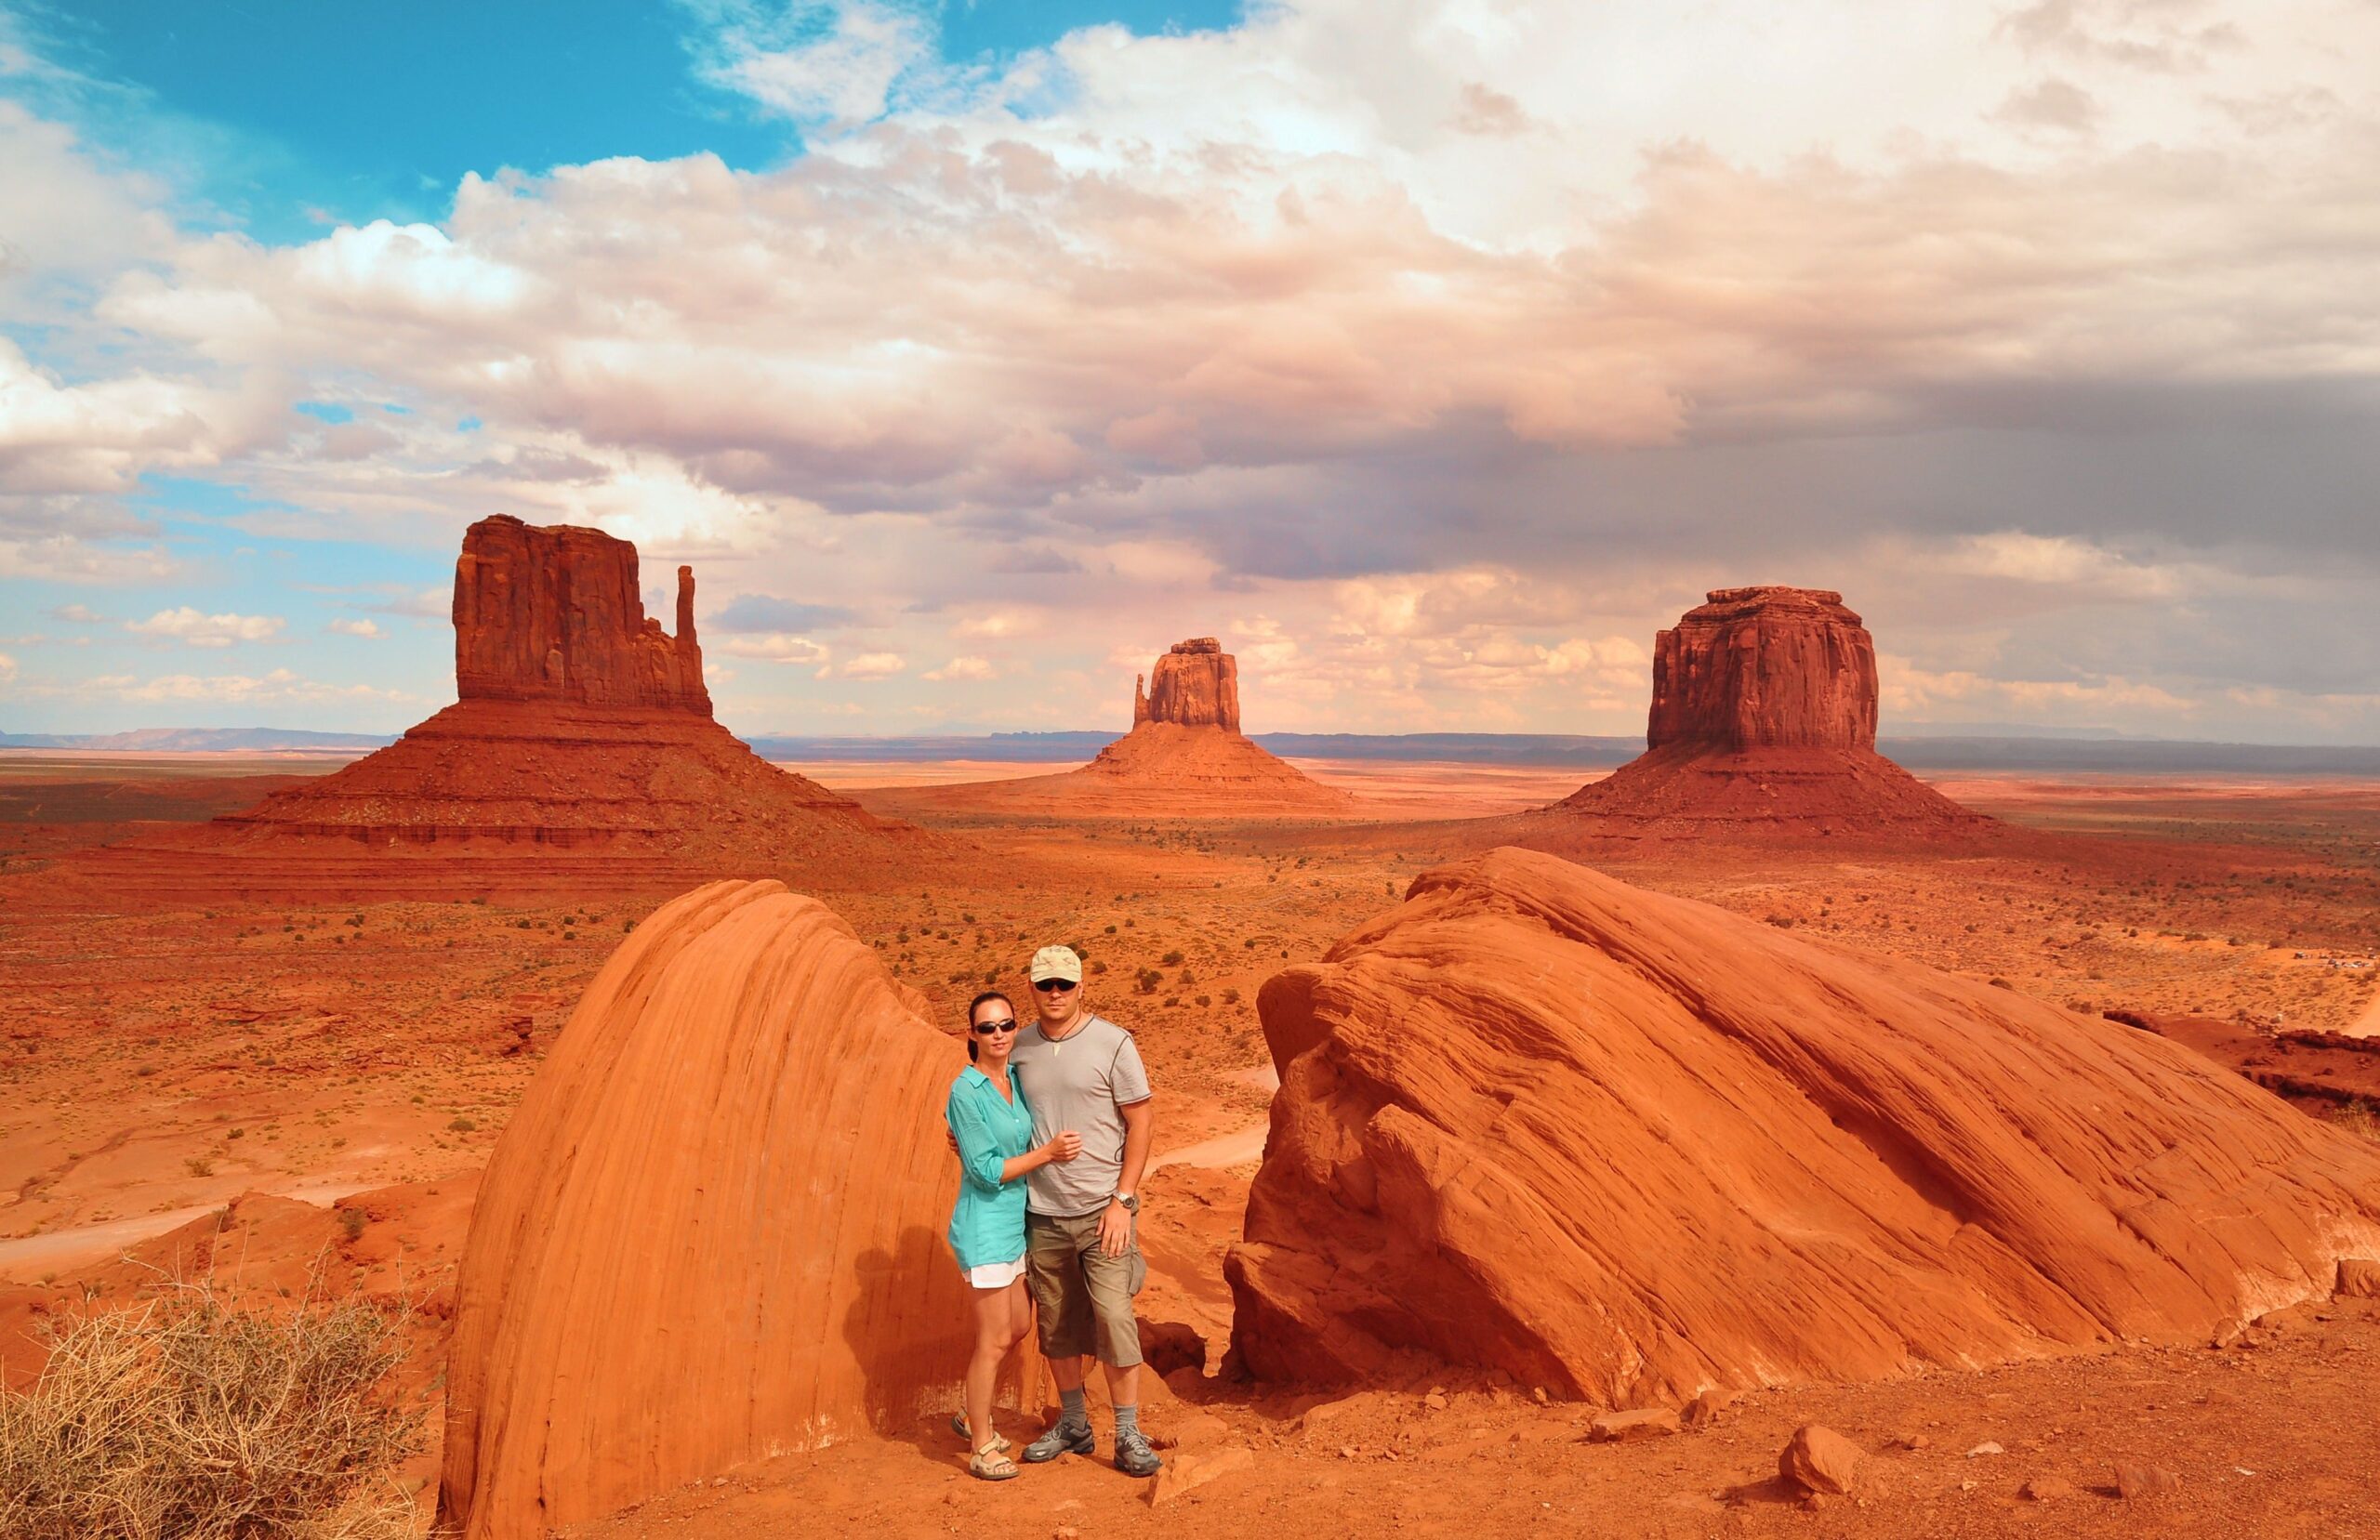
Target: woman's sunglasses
column 985, row 1029
column 1052, row 986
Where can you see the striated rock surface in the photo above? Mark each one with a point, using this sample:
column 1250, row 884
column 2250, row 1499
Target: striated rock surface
column 1762, row 721
column 712, row 1230
column 582, row 752
column 1764, row 667
column 1631, row 1147
column 1195, row 684
column 554, row 613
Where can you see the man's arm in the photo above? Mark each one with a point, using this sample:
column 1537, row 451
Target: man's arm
column 1116, row 1220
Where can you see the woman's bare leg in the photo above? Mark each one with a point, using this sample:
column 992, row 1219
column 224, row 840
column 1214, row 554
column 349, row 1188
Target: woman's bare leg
column 1000, row 1315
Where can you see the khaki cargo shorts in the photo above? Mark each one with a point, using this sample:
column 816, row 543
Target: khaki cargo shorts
column 1083, row 1297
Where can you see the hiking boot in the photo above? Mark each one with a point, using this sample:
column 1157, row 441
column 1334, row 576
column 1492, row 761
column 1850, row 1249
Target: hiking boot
column 1134, row 1456
column 1061, row 1438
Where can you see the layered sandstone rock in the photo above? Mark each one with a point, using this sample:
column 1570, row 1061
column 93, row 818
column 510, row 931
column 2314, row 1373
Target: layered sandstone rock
column 1763, row 720
column 581, row 751
column 555, row 614
column 1195, row 684
column 1764, row 667
column 712, row 1230
column 1629, row 1147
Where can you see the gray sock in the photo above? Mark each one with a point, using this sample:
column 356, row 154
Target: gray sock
column 1071, row 1413
column 1128, row 1421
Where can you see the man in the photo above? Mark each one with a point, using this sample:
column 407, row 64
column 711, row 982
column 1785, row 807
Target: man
column 1081, row 1073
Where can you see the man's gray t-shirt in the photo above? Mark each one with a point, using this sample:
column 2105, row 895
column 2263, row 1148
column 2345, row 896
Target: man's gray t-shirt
column 1081, row 1083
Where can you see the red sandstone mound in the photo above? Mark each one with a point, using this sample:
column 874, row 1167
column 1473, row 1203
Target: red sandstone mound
column 1184, row 755
column 712, row 1232
column 1629, row 1147
column 1764, row 718
column 581, row 749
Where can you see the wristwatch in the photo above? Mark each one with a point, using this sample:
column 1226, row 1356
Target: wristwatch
column 1131, row 1204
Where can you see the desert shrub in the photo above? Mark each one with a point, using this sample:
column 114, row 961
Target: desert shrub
column 1171, row 959
column 1148, row 979
column 189, row 1419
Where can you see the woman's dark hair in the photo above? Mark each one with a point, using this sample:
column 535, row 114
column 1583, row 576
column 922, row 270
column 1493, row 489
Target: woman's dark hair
column 977, row 1004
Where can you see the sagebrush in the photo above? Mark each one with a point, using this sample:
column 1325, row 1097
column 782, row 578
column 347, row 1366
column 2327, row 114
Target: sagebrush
column 191, row 1419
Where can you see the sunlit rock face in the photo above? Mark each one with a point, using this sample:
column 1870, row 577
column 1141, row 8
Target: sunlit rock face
column 712, row 1230
column 1627, row 1147
column 1195, row 684
column 553, row 614
column 1764, row 667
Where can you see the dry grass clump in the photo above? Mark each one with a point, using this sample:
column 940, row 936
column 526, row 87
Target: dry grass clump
column 189, row 1419
column 2358, row 1118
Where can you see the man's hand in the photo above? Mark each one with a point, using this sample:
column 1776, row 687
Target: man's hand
column 1114, row 1230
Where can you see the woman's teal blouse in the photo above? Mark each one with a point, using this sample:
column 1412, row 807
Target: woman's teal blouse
column 988, row 1224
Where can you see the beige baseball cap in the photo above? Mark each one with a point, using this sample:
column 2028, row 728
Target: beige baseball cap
column 1056, row 962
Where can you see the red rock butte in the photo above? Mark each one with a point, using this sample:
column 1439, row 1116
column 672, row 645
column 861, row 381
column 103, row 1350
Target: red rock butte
column 712, row 1232
column 1764, row 719
column 1631, row 1147
column 581, row 750
column 1185, row 756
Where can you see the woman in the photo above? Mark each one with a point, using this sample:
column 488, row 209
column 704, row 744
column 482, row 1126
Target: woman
column 994, row 1129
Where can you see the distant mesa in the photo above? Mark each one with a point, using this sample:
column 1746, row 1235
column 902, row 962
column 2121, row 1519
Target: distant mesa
column 1764, row 718
column 711, row 1232
column 1185, row 756
column 581, row 750
column 1629, row 1147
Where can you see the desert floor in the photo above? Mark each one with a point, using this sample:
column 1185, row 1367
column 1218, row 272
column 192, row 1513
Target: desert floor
column 157, row 1064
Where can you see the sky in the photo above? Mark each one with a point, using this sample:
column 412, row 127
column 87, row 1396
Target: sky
column 1431, row 353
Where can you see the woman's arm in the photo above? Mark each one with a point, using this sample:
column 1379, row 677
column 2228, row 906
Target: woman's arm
column 979, row 1154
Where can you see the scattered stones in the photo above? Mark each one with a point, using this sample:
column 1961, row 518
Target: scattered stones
column 2140, row 1478
column 1819, row 1460
column 1651, row 1422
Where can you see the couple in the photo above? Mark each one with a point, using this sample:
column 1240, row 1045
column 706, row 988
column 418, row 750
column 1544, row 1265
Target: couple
column 1052, row 1123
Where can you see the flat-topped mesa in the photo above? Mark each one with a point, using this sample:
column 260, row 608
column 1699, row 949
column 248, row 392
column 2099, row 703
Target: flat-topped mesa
column 1764, row 667
column 554, row 613
column 1195, row 684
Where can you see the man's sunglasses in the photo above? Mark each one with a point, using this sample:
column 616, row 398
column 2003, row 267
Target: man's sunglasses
column 985, row 1029
column 1053, row 986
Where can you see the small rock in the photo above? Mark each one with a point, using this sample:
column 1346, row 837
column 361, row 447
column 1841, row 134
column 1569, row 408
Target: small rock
column 1187, row 1471
column 1537, row 1394
column 1434, row 1400
column 2048, row 1489
column 1912, row 1440
column 1818, row 1459
column 2140, row 1479
column 1652, row 1422
column 1703, row 1410
column 1347, row 1452
column 1986, row 1447
column 1065, row 1532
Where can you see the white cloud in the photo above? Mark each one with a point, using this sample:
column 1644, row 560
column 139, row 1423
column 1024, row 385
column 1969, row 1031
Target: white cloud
column 78, row 615
column 197, row 629
column 971, row 668
column 772, row 647
column 368, row 629
column 872, row 665
column 7, row 668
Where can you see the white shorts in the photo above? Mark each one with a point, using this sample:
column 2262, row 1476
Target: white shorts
column 994, row 1275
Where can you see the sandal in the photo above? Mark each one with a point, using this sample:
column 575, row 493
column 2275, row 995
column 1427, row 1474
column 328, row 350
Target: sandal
column 958, row 1426
column 989, row 1465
